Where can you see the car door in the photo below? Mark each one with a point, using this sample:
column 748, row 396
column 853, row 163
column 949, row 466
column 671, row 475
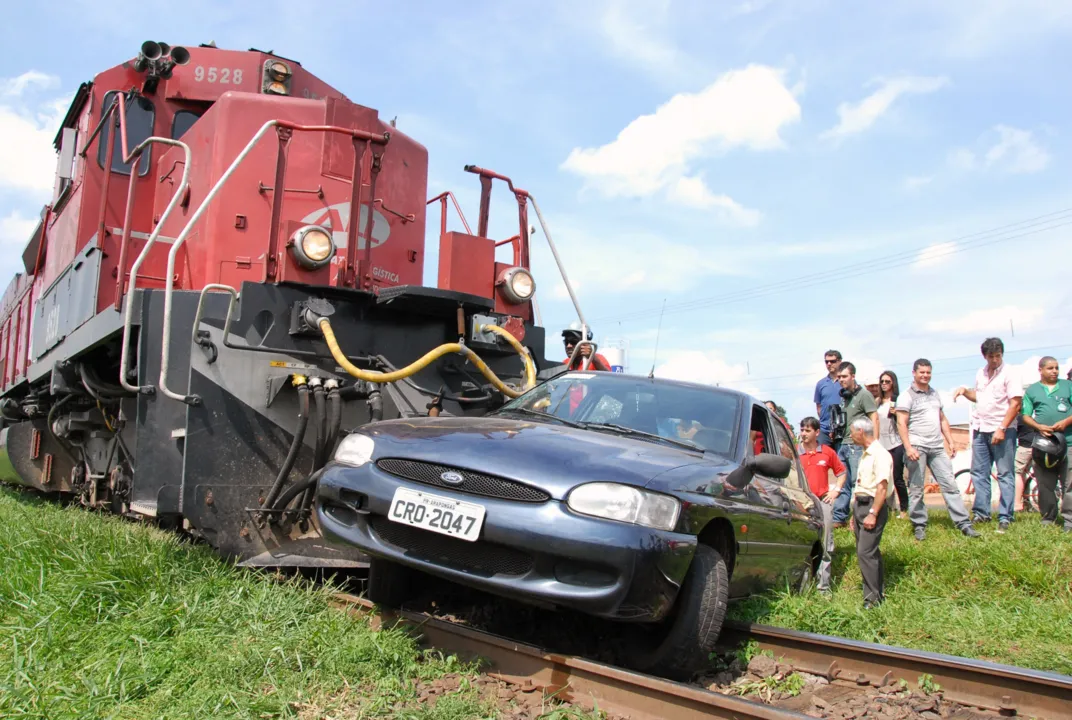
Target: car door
column 805, row 521
column 771, row 546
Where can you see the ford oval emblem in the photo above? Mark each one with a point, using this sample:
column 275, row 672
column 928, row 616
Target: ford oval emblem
column 452, row 478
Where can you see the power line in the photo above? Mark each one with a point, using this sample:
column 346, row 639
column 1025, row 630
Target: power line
column 1004, row 233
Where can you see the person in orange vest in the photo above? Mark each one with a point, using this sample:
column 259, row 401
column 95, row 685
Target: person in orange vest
column 571, row 337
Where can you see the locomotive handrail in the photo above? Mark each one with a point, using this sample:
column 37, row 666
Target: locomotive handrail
column 442, row 198
column 128, row 156
column 124, row 356
column 169, row 287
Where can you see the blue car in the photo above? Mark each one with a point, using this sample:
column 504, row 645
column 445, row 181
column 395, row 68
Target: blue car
column 635, row 499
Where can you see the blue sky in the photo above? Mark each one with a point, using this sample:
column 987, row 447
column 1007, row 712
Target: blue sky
column 687, row 152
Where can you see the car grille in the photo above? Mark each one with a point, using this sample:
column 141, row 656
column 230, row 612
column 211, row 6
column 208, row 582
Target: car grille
column 479, row 557
column 474, row 483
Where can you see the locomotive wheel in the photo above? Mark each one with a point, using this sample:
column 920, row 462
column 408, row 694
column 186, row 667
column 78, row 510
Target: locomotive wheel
column 389, row 583
column 681, row 645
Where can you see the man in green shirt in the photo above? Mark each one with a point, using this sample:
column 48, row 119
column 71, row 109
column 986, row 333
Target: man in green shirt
column 857, row 402
column 1047, row 409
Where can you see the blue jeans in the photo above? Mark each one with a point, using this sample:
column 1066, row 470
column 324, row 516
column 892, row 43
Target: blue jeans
column 1002, row 455
column 824, row 439
column 850, row 455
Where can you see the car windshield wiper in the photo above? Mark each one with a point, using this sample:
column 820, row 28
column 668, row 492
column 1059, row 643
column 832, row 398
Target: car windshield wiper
column 625, row 430
column 545, row 416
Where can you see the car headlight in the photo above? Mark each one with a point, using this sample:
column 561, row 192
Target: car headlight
column 312, row 246
column 355, row 450
column 517, row 284
column 626, row 504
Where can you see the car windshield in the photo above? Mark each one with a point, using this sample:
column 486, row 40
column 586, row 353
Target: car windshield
column 688, row 416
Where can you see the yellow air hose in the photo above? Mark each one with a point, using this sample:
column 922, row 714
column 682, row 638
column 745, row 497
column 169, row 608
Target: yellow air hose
column 375, row 376
column 526, row 359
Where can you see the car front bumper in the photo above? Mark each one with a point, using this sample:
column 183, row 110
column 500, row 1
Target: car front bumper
column 536, row 552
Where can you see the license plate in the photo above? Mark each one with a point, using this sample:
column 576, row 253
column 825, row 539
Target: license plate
column 437, row 513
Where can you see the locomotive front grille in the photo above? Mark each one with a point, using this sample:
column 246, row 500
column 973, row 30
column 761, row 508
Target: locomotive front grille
column 473, row 483
column 482, row 558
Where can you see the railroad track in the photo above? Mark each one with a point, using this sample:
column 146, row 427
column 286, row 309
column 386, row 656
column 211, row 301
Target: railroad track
column 997, row 689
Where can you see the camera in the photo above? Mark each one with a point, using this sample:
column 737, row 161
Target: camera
column 838, row 420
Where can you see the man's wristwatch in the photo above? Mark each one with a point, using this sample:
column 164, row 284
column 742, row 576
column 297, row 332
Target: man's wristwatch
column 872, row 512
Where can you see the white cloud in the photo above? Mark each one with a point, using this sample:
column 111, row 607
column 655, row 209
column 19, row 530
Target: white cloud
column 917, row 181
column 693, row 192
column 933, row 255
column 14, row 87
column 748, row 107
column 859, row 116
column 1013, row 151
column 1016, row 151
column 709, row 368
column 15, row 230
column 27, row 158
column 991, row 320
column 634, row 35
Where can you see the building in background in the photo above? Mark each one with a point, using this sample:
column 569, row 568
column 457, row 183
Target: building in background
column 616, row 350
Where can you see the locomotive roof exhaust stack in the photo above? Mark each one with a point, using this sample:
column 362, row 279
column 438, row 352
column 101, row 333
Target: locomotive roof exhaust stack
column 158, row 59
column 148, row 55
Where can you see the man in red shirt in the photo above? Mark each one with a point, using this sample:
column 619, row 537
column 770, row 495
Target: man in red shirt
column 571, row 337
column 817, row 461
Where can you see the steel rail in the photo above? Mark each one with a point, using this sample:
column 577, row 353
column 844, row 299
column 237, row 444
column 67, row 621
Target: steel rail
column 571, row 679
column 1011, row 691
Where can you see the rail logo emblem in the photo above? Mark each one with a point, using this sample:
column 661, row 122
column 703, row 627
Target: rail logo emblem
column 337, row 219
column 452, row 478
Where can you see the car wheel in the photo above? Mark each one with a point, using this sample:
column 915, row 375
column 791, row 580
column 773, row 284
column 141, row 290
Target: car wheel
column 389, row 583
column 681, row 646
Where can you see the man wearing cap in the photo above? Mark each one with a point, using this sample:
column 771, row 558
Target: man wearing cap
column 1048, row 411
column 571, row 337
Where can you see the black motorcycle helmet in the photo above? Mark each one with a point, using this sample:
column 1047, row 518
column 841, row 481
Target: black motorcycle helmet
column 1049, row 450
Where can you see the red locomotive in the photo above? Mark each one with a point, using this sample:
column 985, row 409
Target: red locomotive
column 200, row 295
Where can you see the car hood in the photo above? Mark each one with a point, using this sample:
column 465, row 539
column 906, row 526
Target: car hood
column 552, row 457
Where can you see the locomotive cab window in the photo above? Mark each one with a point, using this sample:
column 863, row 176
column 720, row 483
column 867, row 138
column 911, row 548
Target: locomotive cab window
column 140, row 118
column 184, row 120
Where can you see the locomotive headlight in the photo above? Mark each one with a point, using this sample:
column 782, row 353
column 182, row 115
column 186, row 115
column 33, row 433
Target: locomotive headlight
column 355, row 450
column 278, row 71
column 312, row 246
column 276, row 78
column 625, row 503
column 517, row 284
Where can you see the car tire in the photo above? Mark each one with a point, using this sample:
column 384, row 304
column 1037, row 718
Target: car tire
column 389, row 584
column 691, row 632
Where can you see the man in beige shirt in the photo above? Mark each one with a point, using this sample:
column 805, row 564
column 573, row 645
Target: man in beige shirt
column 874, row 483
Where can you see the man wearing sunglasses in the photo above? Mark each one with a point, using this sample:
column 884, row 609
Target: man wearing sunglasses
column 827, row 394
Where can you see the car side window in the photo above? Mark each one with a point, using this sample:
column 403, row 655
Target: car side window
column 759, row 437
column 785, row 448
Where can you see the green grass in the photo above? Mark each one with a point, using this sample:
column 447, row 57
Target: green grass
column 103, row 618
column 1004, row 598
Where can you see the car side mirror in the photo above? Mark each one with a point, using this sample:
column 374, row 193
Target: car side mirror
column 767, row 464
column 771, row 465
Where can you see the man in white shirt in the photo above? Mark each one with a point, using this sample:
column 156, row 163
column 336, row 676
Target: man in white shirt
column 874, row 487
column 998, row 396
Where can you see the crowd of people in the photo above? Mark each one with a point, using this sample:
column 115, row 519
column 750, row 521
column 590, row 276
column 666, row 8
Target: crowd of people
column 878, row 441
column 868, row 434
